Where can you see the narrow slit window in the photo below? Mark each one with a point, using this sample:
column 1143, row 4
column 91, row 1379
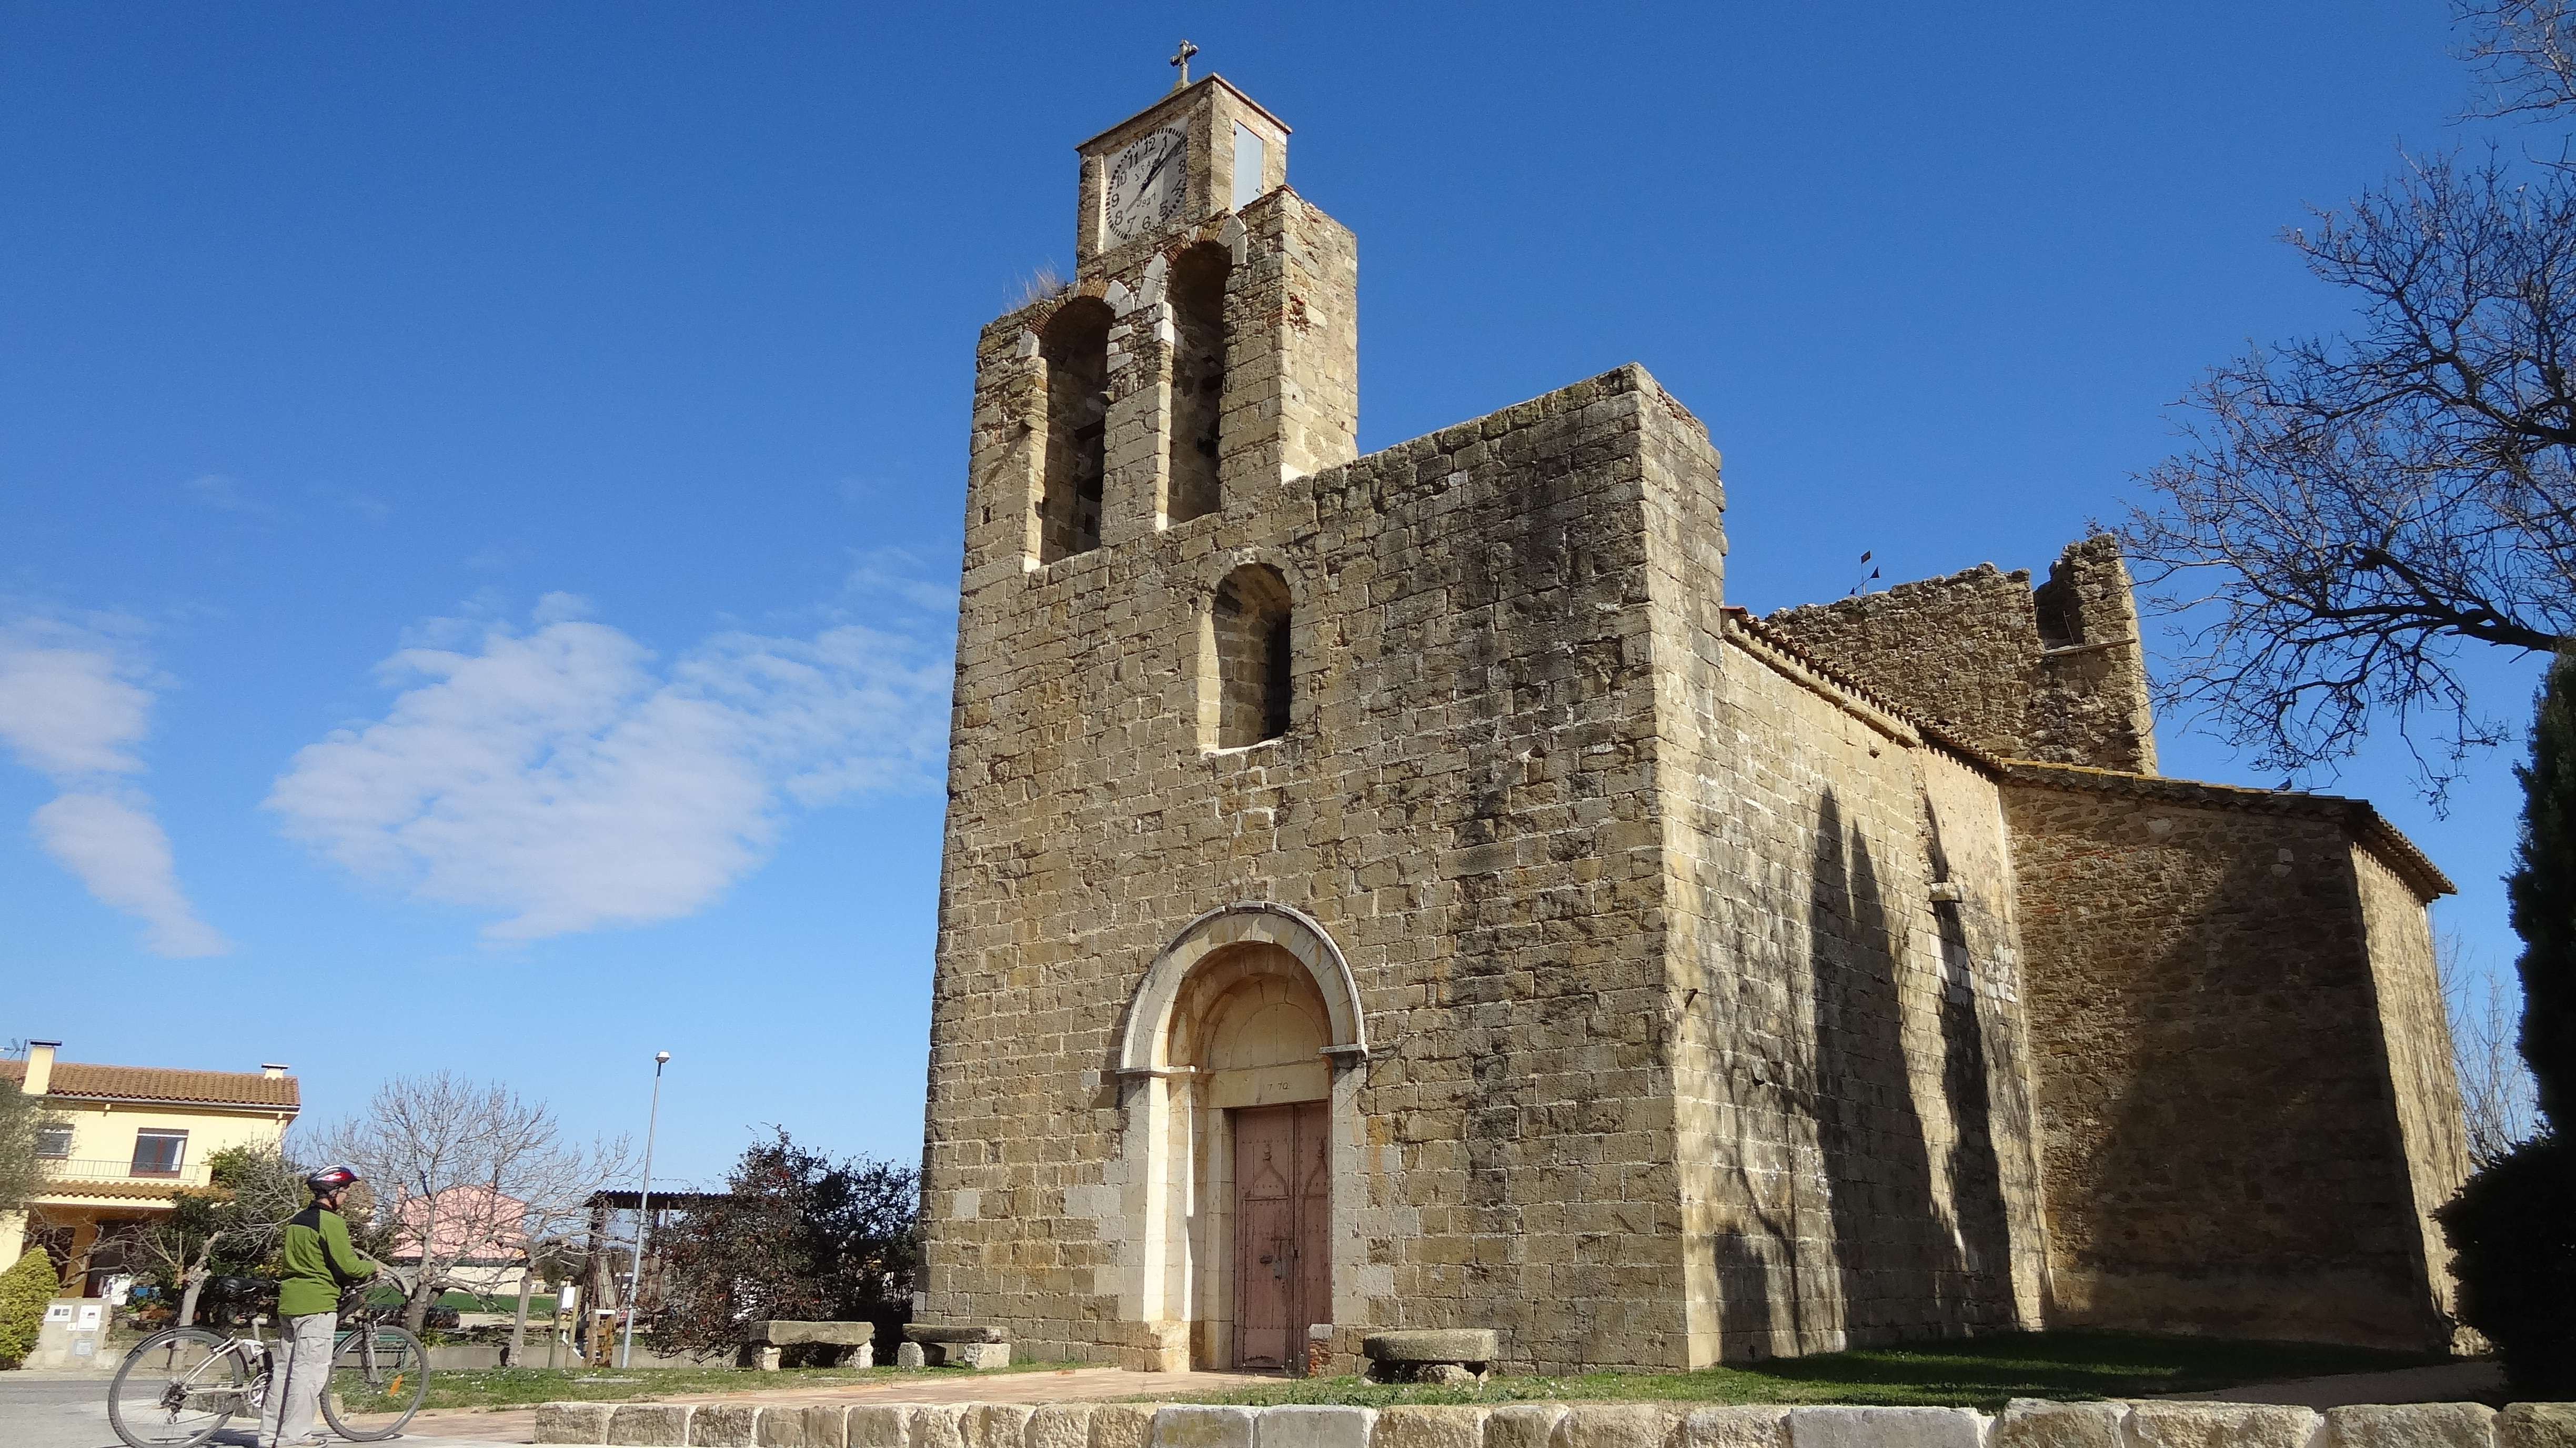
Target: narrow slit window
column 1248, row 673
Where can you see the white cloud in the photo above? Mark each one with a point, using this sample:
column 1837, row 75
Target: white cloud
column 554, row 774
column 891, row 571
column 75, row 701
column 222, row 494
column 373, row 509
column 68, row 703
column 118, row 850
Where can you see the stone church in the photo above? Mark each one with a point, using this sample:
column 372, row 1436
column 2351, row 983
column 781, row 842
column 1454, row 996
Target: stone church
column 1400, row 891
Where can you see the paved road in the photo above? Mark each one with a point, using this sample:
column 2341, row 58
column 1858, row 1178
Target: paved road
column 72, row 1413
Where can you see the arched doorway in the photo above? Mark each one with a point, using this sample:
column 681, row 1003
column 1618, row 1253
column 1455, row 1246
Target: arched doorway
column 1240, row 1108
column 1252, row 1024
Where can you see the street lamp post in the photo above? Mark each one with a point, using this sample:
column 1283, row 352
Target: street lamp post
column 643, row 1213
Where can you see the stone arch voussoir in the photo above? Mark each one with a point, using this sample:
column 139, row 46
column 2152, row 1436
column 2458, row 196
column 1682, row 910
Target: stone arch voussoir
column 1149, row 1013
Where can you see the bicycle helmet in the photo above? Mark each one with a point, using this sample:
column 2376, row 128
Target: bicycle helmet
column 331, row 1179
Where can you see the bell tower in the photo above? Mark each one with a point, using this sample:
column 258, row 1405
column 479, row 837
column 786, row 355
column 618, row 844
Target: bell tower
column 1207, row 344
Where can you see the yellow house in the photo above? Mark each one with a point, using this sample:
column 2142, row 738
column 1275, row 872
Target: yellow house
column 131, row 1135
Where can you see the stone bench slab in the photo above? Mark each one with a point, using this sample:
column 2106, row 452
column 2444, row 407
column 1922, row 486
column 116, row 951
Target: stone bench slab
column 1431, row 1345
column 1443, row 1355
column 946, row 1333
column 789, row 1334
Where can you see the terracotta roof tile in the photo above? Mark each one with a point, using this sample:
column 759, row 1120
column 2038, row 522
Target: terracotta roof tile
column 158, row 1083
column 144, row 1191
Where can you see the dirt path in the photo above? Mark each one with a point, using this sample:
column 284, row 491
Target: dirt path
column 2441, row 1383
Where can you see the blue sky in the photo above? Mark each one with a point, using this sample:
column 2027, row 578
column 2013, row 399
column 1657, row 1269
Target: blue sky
column 482, row 482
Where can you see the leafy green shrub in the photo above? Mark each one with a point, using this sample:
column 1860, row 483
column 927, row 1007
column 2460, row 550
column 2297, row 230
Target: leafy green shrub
column 24, row 1291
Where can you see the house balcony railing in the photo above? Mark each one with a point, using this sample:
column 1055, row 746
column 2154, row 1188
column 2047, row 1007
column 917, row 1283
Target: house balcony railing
column 72, row 1173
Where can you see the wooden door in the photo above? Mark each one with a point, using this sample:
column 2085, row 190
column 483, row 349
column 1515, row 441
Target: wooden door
column 1283, row 1270
column 1314, row 1215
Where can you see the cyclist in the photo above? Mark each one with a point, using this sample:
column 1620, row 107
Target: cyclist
column 320, row 1265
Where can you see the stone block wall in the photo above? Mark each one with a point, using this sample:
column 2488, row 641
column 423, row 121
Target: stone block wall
column 2026, row 1423
column 1207, row 111
column 1731, row 988
column 1292, row 394
column 1855, row 1095
column 2089, row 703
column 1465, row 799
column 1289, row 404
column 1958, row 649
column 1678, row 1055
column 2222, row 1126
column 2415, row 1035
column 2053, row 674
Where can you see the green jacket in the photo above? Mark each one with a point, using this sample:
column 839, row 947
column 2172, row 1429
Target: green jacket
column 320, row 1263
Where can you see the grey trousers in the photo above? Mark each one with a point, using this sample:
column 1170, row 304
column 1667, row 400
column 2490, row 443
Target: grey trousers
column 300, row 1369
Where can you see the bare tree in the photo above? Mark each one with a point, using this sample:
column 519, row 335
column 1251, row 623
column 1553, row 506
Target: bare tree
column 2350, row 512
column 467, row 1169
column 240, row 1217
column 2497, row 1094
column 553, row 1258
column 2525, row 50
column 547, row 1228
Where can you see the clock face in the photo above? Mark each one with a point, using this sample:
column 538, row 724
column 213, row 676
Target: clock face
column 1148, row 182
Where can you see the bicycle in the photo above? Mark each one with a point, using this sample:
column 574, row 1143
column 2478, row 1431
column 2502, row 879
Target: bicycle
column 179, row 1386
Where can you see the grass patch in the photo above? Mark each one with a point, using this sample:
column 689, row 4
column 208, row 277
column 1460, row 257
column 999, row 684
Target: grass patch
column 515, row 1387
column 1981, row 1372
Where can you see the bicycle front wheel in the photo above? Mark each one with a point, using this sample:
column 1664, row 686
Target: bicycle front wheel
column 176, row 1388
column 379, row 1375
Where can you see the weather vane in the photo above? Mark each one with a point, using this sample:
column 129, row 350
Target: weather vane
column 1181, row 61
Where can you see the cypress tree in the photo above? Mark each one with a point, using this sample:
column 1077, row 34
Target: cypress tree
column 2543, row 891
column 2513, row 1226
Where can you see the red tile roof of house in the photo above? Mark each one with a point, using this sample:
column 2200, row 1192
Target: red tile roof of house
column 160, row 1083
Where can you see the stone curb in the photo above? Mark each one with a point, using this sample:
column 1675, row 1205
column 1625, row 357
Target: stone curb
column 2027, row 1423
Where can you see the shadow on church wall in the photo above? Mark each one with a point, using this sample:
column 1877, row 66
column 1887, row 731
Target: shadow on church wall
column 1980, row 1291
column 1888, row 1252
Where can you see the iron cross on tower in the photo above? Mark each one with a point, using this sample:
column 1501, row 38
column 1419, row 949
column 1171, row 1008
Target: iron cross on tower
column 1181, row 61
